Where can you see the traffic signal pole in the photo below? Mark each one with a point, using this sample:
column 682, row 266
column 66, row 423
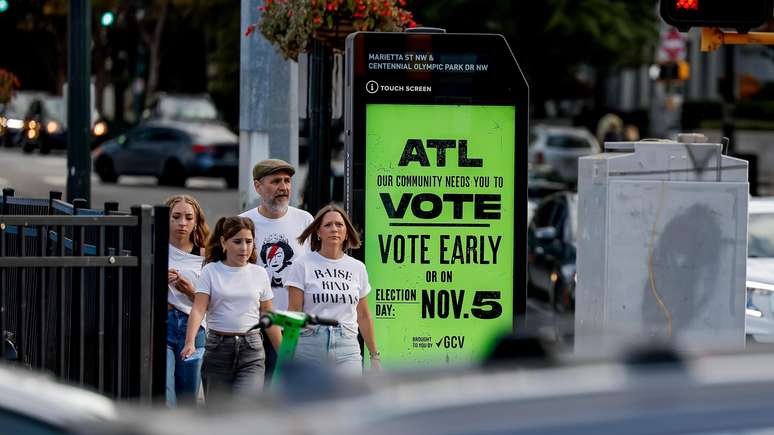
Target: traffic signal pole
column 78, row 107
column 712, row 38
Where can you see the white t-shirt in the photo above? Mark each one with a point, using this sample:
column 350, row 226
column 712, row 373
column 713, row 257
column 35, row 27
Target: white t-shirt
column 276, row 247
column 332, row 288
column 235, row 293
column 189, row 266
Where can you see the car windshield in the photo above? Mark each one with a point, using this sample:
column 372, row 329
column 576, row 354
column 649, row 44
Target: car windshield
column 55, row 109
column 760, row 241
column 187, row 108
column 567, row 142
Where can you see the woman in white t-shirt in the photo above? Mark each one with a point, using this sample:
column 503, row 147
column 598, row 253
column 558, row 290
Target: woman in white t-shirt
column 233, row 291
column 188, row 233
column 329, row 283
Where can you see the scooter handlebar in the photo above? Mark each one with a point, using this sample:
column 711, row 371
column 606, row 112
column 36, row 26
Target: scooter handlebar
column 264, row 323
column 314, row 320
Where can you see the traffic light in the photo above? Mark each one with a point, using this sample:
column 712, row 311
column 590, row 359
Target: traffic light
column 678, row 70
column 107, row 19
column 3, row 6
column 740, row 15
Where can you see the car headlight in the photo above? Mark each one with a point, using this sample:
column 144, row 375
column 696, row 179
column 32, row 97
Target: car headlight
column 32, row 124
column 52, row 127
column 100, row 128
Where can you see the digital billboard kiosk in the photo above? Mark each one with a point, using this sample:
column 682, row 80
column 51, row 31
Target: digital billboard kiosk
column 437, row 180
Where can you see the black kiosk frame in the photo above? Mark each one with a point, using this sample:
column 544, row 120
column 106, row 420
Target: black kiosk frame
column 374, row 75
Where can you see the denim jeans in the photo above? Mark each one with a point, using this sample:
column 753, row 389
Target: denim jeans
column 335, row 346
column 183, row 376
column 233, row 364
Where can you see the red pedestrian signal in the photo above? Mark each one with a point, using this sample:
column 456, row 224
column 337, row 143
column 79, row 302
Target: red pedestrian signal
column 740, row 15
column 687, row 4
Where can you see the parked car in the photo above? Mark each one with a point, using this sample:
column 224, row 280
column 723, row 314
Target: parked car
column 173, row 151
column 543, row 180
column 12, row 116
column 45, row 125
column 759, row 319
column 551, row 248
column 560, row 147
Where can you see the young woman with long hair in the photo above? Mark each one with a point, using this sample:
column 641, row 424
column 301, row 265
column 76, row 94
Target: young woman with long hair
column 233, row 291
column 188, row 232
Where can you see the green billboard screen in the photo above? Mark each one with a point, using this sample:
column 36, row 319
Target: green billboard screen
column 436, row 133
column 439, row 212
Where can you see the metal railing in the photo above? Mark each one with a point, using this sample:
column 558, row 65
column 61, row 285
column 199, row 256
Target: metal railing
column 82, row 293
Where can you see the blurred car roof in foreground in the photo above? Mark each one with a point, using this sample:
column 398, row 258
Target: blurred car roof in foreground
column 709, row 395
column 30, row 401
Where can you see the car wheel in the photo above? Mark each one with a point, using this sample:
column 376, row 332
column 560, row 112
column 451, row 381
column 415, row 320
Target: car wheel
column 106, row 170
column 173, row 174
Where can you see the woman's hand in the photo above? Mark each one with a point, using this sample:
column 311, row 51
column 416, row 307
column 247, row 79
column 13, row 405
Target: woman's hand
column 172, row 276
column 188, row 350
column 376, row 365
column 185, row 287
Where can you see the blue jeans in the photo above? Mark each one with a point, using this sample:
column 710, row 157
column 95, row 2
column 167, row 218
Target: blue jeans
column 330, row 345
column 183, row 376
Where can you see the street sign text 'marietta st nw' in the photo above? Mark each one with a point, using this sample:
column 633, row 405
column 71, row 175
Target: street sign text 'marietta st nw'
column 436, row 179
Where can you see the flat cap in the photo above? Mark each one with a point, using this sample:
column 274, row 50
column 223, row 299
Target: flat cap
column 270, row 166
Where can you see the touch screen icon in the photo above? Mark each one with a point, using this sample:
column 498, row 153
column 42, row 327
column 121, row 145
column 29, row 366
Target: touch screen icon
column 372, row 87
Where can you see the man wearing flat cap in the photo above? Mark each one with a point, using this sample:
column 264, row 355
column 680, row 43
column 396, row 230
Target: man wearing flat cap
column 277, row 224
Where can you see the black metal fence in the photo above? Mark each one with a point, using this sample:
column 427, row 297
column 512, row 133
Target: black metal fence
column 82, row 293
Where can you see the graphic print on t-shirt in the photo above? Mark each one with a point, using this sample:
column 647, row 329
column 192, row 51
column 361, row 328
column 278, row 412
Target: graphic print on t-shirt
column 276, row 254
column 335, row 285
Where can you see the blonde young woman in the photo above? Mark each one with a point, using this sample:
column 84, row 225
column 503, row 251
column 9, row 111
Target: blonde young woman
column 188, row 233
column 329, row 283
column 233, row 291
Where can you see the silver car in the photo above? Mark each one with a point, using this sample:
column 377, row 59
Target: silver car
column 560, row 148
column 759, row 319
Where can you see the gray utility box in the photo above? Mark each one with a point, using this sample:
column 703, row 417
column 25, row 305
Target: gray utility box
column 662, row 247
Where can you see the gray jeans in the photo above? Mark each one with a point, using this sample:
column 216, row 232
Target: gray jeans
column 233, row 364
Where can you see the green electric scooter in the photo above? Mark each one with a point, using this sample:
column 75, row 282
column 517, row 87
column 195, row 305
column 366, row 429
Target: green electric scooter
column 291, row 323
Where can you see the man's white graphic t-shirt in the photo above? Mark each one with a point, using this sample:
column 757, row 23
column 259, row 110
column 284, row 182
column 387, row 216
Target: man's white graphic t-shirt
column 332, row 288
column 276, row 247
column 235, row 294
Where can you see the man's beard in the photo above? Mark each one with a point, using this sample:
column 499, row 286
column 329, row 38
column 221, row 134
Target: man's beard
column 276, row 206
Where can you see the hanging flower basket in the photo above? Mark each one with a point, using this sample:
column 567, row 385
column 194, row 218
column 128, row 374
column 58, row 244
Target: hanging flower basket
column 335, row 37
column 292, row 24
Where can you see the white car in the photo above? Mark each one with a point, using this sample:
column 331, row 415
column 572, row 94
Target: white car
column 560, row 148
column 34, row 403
column 759, row 318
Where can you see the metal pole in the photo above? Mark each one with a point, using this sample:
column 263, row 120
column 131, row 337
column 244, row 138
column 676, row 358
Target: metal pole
column 78, row 107
column 159, row 301
column 319, row 177
column 728, row 97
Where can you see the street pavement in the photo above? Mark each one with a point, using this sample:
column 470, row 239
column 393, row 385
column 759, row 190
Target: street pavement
column 33, row 176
